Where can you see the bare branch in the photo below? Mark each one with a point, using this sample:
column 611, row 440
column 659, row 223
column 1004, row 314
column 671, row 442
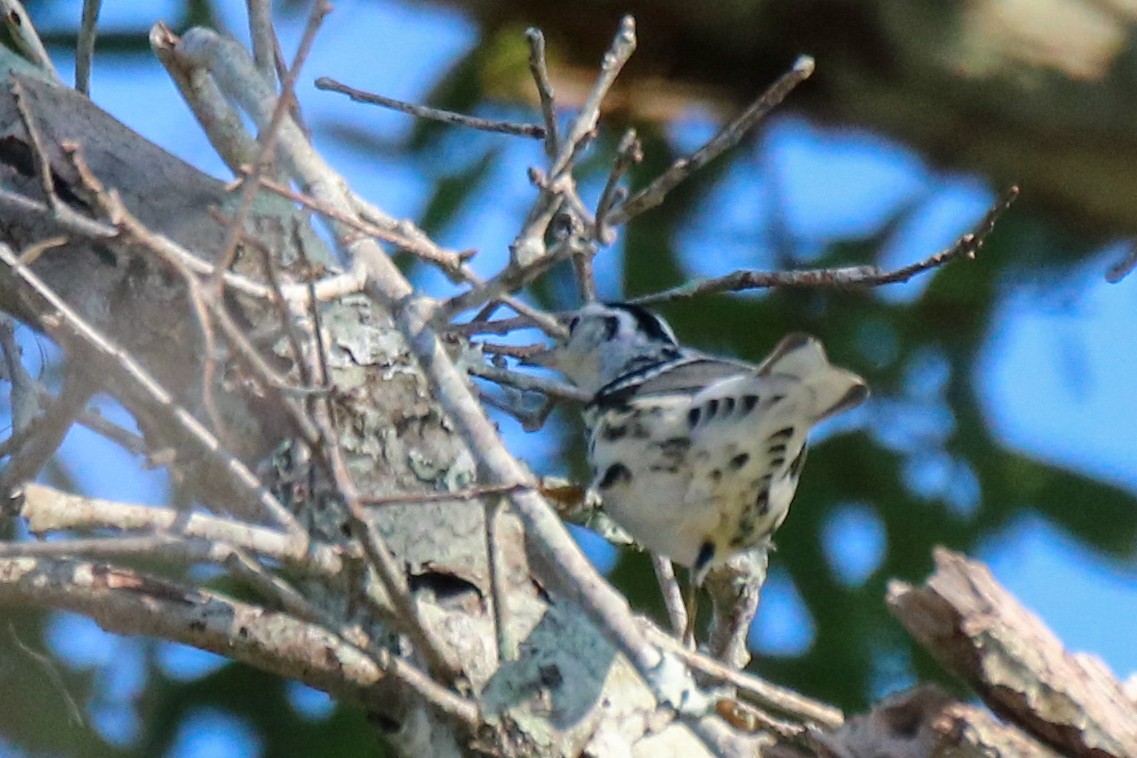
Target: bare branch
column 50, row 510
column 534, row 131
column 24, row 400
column 531, row 383
column 331, row 287
column 126, row 602
column 500, row 326
column 584, row 124
column 850, row 276
column 472, row 493
column 448, row 260
column 730, row 135
column 39, row 154
column 85, row 45
column 735, row 589
column 540, row 71
column 629, row 152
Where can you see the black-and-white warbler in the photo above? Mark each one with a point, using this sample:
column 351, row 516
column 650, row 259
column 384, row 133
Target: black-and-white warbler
column 696, row 456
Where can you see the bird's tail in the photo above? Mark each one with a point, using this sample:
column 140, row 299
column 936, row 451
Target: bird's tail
column 802, row 357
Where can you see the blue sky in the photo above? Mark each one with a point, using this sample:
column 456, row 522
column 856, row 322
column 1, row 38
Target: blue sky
column 1075, row 358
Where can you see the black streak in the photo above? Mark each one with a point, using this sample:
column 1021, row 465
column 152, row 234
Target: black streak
column 705, row 556
column 615, row 474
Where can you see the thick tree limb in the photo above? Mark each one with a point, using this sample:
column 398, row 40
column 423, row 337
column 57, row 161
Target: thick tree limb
column 979, row 632
column 125, row 602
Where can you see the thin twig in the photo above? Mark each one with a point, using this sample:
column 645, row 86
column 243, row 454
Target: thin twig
column 168, row 547
column 531, row 419
column 23, row 413
column 85, row 45
column 470, row 493
column 558, row 197
column 534, row 131
column 242, row 565
column 730, row 135
column 317, row 369
column 751, row 687
column 499, row 602
column 521, row 352
column 500, row 326
column 531, row 383
column 283, row 313
column 512, row 278
column 851, row 276
column 629, row 152
column 538, row 67
column 449, row 260
column 382, row 561
column 39, row 152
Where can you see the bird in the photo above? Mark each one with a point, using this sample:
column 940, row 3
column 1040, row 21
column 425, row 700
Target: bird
column 696, row 456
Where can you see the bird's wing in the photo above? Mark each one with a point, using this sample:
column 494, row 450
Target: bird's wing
column 748, row 430
column 691, row 374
